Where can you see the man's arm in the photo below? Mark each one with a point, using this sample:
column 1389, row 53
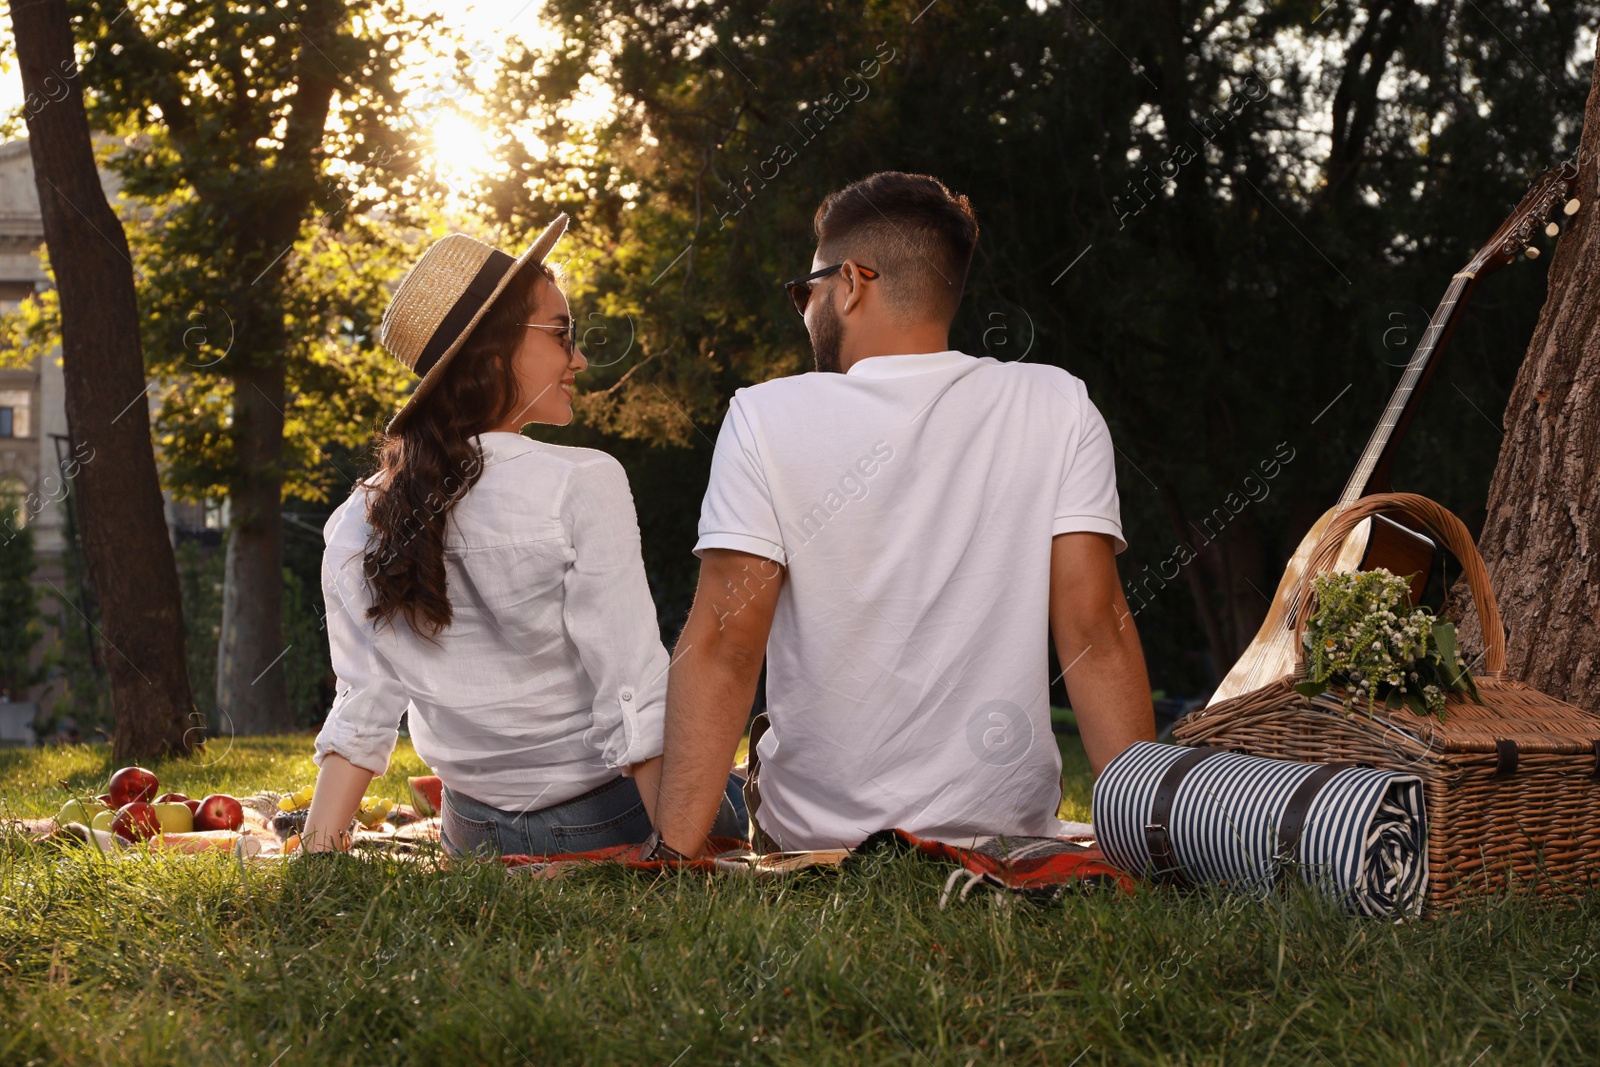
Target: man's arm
column 1098, row 647
column 711, row 687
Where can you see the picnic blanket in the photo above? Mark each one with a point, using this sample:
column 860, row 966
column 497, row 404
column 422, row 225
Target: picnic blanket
column 1041, row 868
column 1037, row 867
column 1191, row 815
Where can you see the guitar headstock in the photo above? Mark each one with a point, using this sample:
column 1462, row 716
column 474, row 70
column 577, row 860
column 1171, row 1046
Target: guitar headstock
column 1548, row 201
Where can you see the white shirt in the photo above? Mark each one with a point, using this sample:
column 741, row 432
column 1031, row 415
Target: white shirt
column 913, row 501
column 551, row 676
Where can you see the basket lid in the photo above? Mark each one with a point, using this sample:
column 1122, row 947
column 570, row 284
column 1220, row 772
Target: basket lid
column 1511, row 711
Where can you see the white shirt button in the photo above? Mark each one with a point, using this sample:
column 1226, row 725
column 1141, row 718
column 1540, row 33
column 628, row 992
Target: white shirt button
column 627, row 694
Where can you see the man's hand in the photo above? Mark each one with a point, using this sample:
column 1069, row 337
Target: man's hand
column 1098, row 647
column 711, row 687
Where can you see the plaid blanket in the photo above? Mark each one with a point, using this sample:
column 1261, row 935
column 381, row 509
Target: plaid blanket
column 1036, row 867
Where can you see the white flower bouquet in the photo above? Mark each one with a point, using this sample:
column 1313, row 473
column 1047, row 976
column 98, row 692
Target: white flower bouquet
column 1365, row 637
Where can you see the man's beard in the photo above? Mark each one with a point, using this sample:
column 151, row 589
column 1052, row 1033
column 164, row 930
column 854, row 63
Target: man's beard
column 827, row 337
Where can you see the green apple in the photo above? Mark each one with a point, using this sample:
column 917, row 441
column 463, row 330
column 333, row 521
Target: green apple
column 175, row 817
column 102, row 820
column 79, row 811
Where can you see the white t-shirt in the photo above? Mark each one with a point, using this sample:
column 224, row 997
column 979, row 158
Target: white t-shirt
column 912, row 500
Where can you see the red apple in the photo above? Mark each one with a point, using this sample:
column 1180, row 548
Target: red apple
column 172, row 798
column 219, row 811
column 136, row 821
column 104, row 798
column 193, row 805
column 132, row 783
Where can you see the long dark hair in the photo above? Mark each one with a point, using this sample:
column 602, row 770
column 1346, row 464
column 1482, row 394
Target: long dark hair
column 429, row 465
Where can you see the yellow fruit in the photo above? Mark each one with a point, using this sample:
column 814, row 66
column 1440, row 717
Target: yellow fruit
column 300, row 798
column 373, row 810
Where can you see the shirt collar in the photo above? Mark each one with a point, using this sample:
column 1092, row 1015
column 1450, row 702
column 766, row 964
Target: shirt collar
column 899, row 366
column 503, row 444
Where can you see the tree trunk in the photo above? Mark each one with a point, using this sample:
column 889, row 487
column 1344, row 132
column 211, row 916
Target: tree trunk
column 250, row 649
column 1539, row 538
column 122, row 524
column 250, row 683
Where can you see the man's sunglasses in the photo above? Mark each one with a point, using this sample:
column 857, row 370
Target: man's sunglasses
column 799, row 289
column 569, row 332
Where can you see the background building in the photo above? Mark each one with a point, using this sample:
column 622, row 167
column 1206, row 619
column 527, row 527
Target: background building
column 34, row 437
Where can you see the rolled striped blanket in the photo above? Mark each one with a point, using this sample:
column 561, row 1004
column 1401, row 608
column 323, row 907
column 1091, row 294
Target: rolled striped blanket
column 1210, row 815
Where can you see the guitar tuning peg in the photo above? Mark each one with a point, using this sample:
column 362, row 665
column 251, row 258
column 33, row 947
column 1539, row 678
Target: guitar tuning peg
column 1531, row 252
column 1572, row 206
column 1551, row 230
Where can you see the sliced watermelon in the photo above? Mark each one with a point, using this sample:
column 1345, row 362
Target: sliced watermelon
column 427, row 795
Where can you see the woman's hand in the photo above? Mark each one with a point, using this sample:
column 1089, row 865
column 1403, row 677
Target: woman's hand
column 647, row 776
column 340, row 787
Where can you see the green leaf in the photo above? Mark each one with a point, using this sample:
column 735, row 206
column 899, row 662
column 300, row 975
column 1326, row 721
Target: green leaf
column 1444, row 635
column 1414, row 702
column 1310, row 689
column 1392, row 701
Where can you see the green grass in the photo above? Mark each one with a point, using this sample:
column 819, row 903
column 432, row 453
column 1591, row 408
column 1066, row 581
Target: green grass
column 199, row 961
column 31, row 779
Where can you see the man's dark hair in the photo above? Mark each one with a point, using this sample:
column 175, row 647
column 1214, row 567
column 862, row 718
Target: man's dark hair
column 909, row 227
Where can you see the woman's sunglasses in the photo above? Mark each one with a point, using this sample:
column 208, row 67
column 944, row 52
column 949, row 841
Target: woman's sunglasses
column 799, row 289
column 569, row 332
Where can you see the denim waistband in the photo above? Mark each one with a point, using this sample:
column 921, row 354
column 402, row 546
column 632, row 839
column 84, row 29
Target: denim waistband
column 596, row 791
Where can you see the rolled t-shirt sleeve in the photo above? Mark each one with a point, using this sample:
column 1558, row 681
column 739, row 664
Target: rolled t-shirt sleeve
column 364, row 720
column 737, row 511
column 610, row 615
column 1087, row 501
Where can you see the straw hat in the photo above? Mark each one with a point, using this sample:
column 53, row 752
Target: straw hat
column 440, row 302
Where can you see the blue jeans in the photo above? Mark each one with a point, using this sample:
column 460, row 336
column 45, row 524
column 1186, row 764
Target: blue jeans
column 611, row 814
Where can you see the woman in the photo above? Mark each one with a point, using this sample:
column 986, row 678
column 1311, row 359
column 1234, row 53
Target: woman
column 492, row 585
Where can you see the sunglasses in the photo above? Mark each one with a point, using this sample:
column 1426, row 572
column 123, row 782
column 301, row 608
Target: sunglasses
column 569, row 332
column 799, row 289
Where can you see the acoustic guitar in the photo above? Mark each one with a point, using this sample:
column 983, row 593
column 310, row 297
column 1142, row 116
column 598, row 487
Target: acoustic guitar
column 1380, row 542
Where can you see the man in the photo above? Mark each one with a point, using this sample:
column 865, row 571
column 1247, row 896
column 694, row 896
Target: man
column 898, row 534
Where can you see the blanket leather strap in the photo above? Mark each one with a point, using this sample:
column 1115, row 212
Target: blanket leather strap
column 1294, row 812
column 1157, row 840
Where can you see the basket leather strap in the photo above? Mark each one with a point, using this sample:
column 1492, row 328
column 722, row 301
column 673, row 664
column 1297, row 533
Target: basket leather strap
column 1294, row 812
column 1505, row 757
column 1157, row 838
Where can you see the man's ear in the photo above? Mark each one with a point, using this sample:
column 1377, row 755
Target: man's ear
column 855, row 290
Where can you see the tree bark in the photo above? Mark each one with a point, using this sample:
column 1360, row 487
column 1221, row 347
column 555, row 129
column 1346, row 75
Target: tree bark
column 250, row 649
column 1539, row 538
column 122, row 524
column 250, row 682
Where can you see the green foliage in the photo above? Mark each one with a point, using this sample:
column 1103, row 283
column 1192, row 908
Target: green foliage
column 305, row 664
column 1364, row 637
column 253, row 143
column 200, row 587
column 202, row 960
column 20, row 629
column 29, row 334
column 86, row 690
column 1268, row 199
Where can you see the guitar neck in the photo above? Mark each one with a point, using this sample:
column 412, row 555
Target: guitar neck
column 1397, row 413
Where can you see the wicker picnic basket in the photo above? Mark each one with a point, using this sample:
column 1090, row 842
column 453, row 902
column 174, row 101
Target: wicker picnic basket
column 1511, row 786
